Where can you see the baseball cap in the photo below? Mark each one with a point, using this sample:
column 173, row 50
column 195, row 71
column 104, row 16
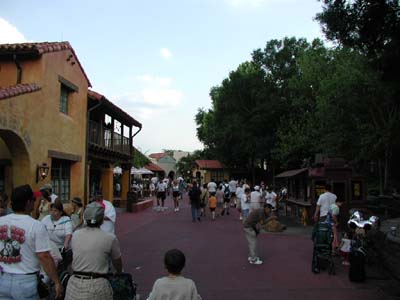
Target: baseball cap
column 94, row 213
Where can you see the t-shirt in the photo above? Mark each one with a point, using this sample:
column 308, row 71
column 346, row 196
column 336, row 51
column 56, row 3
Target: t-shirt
column 239, row 192
column 220, row 196
column 212, row 202
column 270, row 198
column 245, row 201
column 332, row 211
column 92, row 248
column 177, row 288
column 109, row 211
column 53, row 198
column 232, row 186
column 255, row 197
column 346, row 245
column 212, row 187
column 21, row 237
column 58, row 229
column 324, row 201
column 161, row 187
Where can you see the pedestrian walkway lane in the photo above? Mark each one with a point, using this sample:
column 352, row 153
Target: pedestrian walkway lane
column 216, row 258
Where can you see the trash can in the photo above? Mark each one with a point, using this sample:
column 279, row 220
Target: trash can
column 131, row 197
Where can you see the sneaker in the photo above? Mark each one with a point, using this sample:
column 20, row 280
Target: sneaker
column 250, row 258
column 223, row 212
column 240, row 218
column 256, row 261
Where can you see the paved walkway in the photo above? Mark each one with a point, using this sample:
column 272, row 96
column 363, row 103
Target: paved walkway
column 216, row 254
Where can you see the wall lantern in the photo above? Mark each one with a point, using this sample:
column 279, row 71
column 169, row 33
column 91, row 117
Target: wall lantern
column 42, row 172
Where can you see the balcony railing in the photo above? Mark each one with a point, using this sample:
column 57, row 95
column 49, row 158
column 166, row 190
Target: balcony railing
column 102, row 136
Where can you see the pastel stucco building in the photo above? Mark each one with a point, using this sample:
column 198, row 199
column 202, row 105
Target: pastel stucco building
column 165, row 162
column 44, row 123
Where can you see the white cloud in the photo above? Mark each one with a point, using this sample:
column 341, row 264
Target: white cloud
column 152, row 97
column 165, row 53
column 9, row 34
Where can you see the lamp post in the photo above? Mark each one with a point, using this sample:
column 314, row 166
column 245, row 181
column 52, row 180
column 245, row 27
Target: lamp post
column 42, row 171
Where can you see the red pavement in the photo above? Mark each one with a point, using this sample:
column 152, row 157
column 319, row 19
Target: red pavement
column 216, row 259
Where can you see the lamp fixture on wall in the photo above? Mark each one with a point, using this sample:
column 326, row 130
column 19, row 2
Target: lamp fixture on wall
column 42, row 172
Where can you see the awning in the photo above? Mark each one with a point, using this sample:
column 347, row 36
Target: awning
column 291, row 173
column 141, row 171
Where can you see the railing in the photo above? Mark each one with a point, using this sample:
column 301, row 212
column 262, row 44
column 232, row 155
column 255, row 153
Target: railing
column 102, row 136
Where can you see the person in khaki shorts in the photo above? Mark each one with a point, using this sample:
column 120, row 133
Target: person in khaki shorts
column 92, row 250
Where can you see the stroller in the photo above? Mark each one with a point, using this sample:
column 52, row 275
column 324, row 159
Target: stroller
column 322, row 237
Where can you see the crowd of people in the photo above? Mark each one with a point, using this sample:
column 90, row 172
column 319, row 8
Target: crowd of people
column 31, row 246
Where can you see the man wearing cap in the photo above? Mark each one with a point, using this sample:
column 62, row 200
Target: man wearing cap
column 251, row 227
column 110, row 215
column 24, row 246
column 92, row 250
column 48, row 187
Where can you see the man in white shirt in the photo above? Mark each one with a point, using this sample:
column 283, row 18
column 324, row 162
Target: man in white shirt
column 270, row 197
column 161, row 195
column 24, row 246
column 110, row 215
column 324, row 202
column 232, row 188
column 212, row 187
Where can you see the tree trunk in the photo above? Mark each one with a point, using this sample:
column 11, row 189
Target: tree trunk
column 380, row 177
column 386, row 169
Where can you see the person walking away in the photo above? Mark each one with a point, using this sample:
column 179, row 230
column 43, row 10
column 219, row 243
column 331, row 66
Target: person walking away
column 232, row 188
column 110, row 215
column 245, row 203
column 239, row 193
column 194, row 196
column 332, row 218
column 212, row 204
column 255, row 199
column 174, row 286
column 227, row 197
column 251, row 227
column 220, row 200
column 161, row 195
column 203, row 200
column 324, row 202
column 175, row 194
column 212, row 187
column 92, row 250
column 77, row 213
column 271, row 198
column 24, row 247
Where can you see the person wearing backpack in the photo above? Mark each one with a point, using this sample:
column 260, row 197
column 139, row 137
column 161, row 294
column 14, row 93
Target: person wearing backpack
column 227, row 197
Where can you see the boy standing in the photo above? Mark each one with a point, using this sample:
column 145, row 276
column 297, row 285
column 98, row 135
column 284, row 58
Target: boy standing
column 212, row 204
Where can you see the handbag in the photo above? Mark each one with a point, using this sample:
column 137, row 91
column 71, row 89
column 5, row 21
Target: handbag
column 123, row 286
column 42, row 288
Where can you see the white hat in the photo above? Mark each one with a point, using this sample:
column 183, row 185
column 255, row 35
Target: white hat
column 256, row 188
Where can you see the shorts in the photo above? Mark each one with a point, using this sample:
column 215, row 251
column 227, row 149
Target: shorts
column 161, row 195
column 227, row 200
column 175, row 194
column 212, row 193
column 212, row 209
column 233, row 194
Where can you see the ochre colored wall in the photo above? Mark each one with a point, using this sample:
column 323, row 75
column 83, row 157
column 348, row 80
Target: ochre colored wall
column 37, row 125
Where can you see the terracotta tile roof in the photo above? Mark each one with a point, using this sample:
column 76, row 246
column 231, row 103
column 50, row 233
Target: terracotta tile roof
column 101, row 98
column 153, row 167
column 19, row 89
column 157, row 156
column 209, row 164
column 37, row 49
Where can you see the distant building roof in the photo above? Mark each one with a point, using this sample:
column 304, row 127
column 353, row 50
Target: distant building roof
column 35, row 50
column 19, row 89
column 291, row 173
column 209, row 164
column 153, row 167
column 101, row 98
column 157, row 156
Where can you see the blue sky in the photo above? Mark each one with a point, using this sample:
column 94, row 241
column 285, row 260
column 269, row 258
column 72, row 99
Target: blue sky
column 158, row 59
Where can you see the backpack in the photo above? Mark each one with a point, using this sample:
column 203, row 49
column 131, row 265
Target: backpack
column 227, row 193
